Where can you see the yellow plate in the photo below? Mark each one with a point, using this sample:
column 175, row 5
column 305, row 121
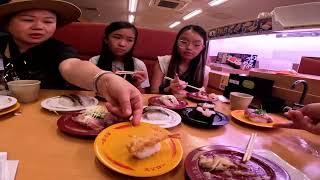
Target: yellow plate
column 277, row 119
column 110, row 148
column 10, row 109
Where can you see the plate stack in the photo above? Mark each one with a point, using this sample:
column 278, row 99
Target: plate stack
column 8, row 104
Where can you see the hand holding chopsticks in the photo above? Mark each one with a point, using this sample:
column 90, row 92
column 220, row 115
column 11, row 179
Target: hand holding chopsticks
column 249, row 148
column 170, row 79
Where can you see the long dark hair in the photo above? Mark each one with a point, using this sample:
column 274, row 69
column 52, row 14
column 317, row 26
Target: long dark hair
column 107, row 56
column 197, row 66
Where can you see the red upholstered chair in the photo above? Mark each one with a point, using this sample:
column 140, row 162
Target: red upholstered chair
column 87, row 39
column 310, row 65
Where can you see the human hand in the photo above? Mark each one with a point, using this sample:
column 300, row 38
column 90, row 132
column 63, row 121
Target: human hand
column 123, row 99
column 176, row 85
column 140, row 77
column 307, row 118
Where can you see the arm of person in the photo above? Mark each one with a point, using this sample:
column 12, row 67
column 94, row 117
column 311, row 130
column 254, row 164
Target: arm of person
column 123, row 98
column 157, row 78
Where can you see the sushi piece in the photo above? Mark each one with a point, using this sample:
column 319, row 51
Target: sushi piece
column 258, row 115
column 155, row 113
column 205, row 112
column 143, row 147
column 70, row 100
column 207, row 105
column 94, row 117
column 169, row 100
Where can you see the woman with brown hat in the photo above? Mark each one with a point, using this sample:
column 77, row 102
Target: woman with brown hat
column 30, row 52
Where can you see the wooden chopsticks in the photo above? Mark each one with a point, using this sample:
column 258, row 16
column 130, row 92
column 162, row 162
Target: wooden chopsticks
column 249, row 148
column 170, row 79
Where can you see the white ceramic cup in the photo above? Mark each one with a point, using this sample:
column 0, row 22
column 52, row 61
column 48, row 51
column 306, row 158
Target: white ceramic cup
column 25, row 90
column 240, row 101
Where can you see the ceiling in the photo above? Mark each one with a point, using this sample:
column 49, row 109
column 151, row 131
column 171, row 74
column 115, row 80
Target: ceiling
column 232, row 11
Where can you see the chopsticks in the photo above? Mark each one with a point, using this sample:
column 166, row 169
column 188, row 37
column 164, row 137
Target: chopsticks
column 249, row 148
column 170, row 79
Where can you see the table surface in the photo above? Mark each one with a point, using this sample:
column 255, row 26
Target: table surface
column 46, row 153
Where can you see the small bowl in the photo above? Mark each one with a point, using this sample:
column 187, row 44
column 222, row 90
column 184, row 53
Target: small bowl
column 25, row 90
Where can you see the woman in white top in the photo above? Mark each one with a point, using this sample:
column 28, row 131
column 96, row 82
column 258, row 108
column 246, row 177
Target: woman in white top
column 117, row 51
column 185, row 66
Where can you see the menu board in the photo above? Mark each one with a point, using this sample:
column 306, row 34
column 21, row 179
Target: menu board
column 257, row 26
column 237, row 61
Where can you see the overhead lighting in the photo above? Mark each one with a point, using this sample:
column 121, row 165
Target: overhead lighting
column 193, row 13
column 174, row 24
column 133, row 5
column 131, row 18
column 217, row 2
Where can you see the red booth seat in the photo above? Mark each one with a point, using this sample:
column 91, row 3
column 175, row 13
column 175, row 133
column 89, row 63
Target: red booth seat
column 310, row 65
column 87, row 39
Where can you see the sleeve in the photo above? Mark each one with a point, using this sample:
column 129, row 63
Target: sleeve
column 140, row 66
column 67, row 52
column 164, row 62
column 94, row 60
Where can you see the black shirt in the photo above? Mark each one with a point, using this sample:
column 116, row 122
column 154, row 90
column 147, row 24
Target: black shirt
column 40, row 62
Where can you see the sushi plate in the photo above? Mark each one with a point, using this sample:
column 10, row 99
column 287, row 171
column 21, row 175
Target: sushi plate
column 55, row 104
column 190, row 116
column 10, row 109
column 260, row 166
column 7, row 101
column 160, row 116
column 69, row 126
column 110, row 147
column 239, row 116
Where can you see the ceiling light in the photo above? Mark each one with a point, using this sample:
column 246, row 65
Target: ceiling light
column 131, row 18
column 174, row 24
column 216, row 2
column 133, row 5
column 193, row 13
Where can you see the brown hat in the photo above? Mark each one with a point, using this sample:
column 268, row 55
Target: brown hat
column 65, row 11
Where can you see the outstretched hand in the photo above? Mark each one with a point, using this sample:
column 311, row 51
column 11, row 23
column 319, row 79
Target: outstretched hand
column 123, row 98
column 307, row 118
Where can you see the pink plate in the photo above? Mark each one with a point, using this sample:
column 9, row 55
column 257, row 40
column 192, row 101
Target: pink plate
column 257, row 164
column 194, row 97
column 67, row 125
column 155, row 101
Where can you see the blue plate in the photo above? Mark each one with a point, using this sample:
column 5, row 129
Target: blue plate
column 193, row 117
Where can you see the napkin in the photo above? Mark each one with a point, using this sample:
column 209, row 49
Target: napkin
column 8, row 168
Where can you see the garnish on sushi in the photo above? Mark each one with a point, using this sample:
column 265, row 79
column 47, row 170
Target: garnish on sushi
column 258, row 115
column 95, row 117
column 144, row 146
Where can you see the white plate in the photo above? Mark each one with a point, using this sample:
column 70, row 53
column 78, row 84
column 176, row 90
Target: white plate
column 162, row 119
column 7, row 101
column 294, row 173
column 54, row 104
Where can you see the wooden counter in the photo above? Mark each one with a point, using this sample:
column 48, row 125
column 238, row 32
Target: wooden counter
column 45, row 153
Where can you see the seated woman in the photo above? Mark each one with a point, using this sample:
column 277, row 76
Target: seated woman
column 185, row 66
column 28, row 51
column 116, row 54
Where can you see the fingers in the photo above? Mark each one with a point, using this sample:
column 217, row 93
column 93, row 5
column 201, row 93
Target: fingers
column 137, row 109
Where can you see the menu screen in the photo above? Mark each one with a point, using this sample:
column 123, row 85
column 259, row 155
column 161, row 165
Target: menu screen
column 237, row 61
